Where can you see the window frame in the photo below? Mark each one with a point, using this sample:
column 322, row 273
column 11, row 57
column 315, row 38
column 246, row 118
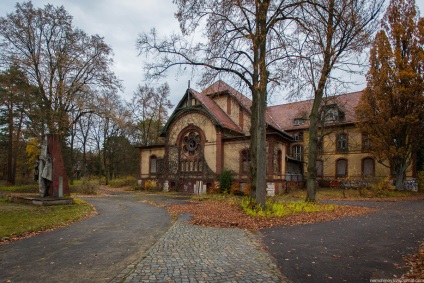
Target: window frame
column 151, row 158
column 345, row 141
column 297, row 154
column 346, row 169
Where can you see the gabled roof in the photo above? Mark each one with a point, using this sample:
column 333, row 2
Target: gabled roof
column 223, row 119
column 221, row 87
column 207, row 105
column 279, row 117
column 285, row 114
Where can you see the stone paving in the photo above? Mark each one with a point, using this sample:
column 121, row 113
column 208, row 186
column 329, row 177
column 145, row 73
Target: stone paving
column 188, row 253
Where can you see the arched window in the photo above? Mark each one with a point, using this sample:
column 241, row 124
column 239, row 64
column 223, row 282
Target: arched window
column 320, row 168
column 297, row 152
column 153, row 164
column 244, row 161
column 191, row 150
column 341, row 168
column 368, row 167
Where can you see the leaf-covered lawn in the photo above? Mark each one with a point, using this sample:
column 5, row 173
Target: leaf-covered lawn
column 223, row 213
column 415, row 263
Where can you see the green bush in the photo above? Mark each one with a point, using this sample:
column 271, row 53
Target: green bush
column 225, row 180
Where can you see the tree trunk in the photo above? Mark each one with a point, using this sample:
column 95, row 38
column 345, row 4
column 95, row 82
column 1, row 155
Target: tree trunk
column 260, row 82
column 10, row 173
column 311, row 179
column 399, row 175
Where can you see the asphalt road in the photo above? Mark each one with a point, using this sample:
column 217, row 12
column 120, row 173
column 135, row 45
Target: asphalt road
column 354, row 249
column 93, row 250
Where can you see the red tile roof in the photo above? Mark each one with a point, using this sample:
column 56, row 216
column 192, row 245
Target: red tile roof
column 285, row 114
column 219, row 114
column 280, row 117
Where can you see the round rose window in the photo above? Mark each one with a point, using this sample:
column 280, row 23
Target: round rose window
column 191, row 144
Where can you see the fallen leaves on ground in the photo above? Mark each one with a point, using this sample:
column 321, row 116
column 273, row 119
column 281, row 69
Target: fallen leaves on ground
column 415, row 263
column 227, row 214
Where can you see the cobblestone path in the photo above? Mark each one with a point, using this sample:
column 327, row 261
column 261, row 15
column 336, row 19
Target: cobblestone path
column 188, row 253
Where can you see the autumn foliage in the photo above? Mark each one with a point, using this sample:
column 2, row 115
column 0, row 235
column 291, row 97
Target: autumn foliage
column 391, row 111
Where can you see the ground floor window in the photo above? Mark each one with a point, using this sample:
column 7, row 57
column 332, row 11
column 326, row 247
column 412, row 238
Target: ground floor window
column 341, row 168
column 153, row 164
column 319, row 167
column 368, row 167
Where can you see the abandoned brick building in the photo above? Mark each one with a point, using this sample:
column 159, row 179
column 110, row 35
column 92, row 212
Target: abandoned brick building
column 209, row 132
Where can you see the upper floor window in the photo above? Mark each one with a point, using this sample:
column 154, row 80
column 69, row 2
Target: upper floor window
column 366, row 143
column 342, row 145
column 297, row 152
column 332, row 114
column 298, row 136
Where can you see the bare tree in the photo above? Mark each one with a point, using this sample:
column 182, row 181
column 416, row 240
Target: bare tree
column 111, row 119
column 330, row 35
column 149, row 110
column 62, row 61
column 245, row 41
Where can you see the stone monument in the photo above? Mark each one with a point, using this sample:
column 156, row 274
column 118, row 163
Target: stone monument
column 52, row 177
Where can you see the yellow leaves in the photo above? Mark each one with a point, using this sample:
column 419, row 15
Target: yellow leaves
column 33, row 151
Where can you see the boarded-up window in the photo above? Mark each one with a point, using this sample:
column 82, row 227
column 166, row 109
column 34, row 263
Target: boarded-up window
column 368, row 167
column 153, row 164
column 341, row 167
column 319, row 167
column 245, row 161
column 279, row 161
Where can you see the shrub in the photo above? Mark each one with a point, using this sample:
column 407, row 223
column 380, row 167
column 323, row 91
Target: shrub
column 87, row 187
column 279, row 209
column 225, row 180
column 151, row 185
column 128, row 181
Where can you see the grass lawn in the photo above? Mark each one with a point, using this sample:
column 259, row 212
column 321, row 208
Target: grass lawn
column 20, row 220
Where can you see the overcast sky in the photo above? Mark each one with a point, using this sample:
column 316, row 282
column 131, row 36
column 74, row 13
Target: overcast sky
column 120, row 22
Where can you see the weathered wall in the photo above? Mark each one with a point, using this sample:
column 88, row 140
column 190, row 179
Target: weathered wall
column 354, row 155
column 145, row 159
column 208, row 128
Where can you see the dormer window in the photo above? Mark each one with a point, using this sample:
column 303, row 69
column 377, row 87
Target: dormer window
column 298, row 121
column 333, row 114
